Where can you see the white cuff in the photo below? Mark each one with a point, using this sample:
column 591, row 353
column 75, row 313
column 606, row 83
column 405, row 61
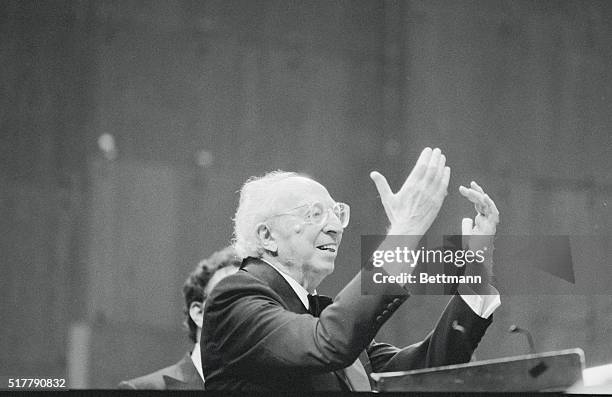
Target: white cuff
column 482, row 305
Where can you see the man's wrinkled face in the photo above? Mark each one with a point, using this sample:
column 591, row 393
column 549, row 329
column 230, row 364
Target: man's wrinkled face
column 301, row 244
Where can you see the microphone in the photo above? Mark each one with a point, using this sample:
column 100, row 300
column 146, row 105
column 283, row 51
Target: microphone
column 539, row 368
column 514, row 329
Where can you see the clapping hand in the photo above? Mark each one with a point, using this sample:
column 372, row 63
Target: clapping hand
column 479, row 232
column 487, row 215
column 414, row 207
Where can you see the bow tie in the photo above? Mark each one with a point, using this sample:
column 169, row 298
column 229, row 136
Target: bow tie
column 317, row 303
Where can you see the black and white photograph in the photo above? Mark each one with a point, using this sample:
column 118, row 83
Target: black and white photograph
column 305, row 196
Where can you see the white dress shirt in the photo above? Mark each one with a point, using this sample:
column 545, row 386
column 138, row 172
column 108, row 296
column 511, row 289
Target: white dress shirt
column 297, row 287
column 196, row 357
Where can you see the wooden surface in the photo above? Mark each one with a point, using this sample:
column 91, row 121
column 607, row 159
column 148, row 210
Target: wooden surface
column 551, row 371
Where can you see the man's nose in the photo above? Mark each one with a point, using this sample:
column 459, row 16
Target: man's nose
column 333, row 224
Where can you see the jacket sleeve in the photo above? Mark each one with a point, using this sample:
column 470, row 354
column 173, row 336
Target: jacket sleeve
column 246, row 326
column 453, row 340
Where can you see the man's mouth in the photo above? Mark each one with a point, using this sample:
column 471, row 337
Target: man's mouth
column 328, row 247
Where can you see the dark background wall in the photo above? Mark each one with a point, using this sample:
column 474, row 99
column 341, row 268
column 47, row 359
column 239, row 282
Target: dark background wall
column 200, row 95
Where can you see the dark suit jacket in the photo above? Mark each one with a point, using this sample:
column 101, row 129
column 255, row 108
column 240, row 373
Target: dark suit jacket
column 180, row 376
column 259, row 336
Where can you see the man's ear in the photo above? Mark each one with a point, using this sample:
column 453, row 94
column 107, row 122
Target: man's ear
column 265, row 238
column 196, row 312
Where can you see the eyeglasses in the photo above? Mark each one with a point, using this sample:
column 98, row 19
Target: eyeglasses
column 317, row 214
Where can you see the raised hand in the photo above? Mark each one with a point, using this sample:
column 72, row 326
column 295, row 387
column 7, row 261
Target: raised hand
column 478, row 233
column 412, row 210
column 487, row 215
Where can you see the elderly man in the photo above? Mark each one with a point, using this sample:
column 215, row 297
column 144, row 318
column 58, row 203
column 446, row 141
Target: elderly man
column 187, row 373
column 266, row 330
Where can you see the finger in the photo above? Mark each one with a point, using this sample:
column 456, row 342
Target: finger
column 471, row 194
column 467, row 224
column 467, row 193
column 432, row 167
column 382, row 186
column 441, row 164
column 424, row 156
column 491, row 206
column 476, row 187
column 490, row 203
column 444, row 183
column 475, row 197
column 420, row 167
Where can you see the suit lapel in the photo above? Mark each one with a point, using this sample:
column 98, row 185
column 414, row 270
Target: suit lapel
column 184, row 376
column 272, row 277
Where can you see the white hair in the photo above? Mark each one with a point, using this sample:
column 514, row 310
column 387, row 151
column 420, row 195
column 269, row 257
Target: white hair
column 254, row 207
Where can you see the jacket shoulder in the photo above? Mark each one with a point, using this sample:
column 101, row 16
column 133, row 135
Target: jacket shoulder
column 239, row 285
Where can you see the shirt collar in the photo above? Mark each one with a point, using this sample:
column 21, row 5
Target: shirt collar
column 297, row 287
column 196, row 357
